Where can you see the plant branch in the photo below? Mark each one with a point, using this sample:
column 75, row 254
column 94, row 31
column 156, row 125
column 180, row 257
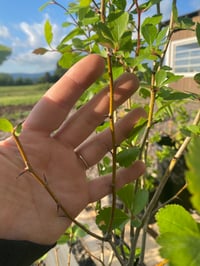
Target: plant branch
column 148, row 212
column 112, row 130
column 43, row 183
column 67, row 11
column 139, row 12
column 102, row 11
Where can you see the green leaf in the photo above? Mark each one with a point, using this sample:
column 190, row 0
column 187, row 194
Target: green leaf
column 90, row 18
column 44, row 5
column 126, row 195
column 134, row 201
column 72, row 234
column 193, row 172
column 126, row 42
column 198, row 32
column 140, row 201
column 18, row 129
column 195, row 129
column 67, row 60
column 6, row 125
column 147, row 5
column 48, row 32
column 154, row 20
column 82, row 12
column 161, row 36
column 84, row 3
column 120, row 4
column 174, row 11
column 179, row 236
column 160, row 76
column 105, row 36
column 171, row 77
column 128, row 156
column 71, row 34
column 197, row 78
column 78, row 43
column 103, row 218
column 185, row 23
column 168, row 95
column 149, row 33
column 118, row 23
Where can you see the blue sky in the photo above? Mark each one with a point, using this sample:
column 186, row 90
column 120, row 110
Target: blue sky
column 21, row 28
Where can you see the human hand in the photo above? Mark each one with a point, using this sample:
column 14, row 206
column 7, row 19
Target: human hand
column 54, row 147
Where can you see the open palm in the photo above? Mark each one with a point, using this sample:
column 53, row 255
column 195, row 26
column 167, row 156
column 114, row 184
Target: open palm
column 54, row 145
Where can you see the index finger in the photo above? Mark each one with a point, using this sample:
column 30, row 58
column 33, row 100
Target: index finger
column 49, row 113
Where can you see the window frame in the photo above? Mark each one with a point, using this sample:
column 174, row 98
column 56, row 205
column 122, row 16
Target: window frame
column 172, row 53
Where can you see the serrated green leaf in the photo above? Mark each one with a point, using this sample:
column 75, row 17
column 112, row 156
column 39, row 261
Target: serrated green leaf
column 198, row 32
column 149, row 33
column 128, row 156
column 193, row 172
column 179, row 236
column 103, row 218
column 175, row 219
column 48, row 32
column 6, row 125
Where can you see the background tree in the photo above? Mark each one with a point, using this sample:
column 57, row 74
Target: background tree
column 5, row 52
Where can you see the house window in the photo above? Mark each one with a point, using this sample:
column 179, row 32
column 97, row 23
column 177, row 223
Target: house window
column 185, row 57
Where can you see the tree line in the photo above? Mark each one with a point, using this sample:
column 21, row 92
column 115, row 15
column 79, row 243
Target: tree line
column 9, row 80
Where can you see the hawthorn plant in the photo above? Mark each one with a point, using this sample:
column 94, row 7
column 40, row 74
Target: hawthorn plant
column 130, row 40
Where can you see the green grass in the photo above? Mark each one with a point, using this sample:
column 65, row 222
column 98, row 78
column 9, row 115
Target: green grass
column 21, row 95
column 17, row 100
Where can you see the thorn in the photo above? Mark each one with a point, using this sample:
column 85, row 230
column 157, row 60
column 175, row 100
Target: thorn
column 23, row 172
column 58, row 209
column 45, row 179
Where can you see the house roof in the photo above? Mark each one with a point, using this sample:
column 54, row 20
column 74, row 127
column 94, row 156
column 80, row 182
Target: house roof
column 189, row 15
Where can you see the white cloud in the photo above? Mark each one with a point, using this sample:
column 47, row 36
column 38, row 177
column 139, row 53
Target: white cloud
column 30, row 63
column 34, row 33
column 4, row 32
column 28, row 37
